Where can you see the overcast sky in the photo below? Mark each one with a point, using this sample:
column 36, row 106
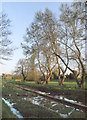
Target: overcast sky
column 22, row 15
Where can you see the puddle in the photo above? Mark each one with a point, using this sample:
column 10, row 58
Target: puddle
column 67, row 115
column 69, row 100
column 15, row 112
column 67, row 106
column 54, row 105
column 63, row 115
column 61, row 97
column 44, row 93
column 63, row 110
column 72, row 101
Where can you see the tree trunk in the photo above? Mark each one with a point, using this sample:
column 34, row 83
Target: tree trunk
column 47, row 80
column 59, row 79
column 24, row 77
column 62, row 80
column 83, row 72
column 82, row 77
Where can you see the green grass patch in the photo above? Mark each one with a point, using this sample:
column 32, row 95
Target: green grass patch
column 69, row 89
column 78, row 114
column 27, row 109
column 30, row 110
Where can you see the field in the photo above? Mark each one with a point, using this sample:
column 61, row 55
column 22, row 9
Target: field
column 69, row 89
column 33, row 110
column 43, row 61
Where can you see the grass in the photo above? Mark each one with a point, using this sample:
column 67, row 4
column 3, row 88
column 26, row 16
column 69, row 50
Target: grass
column 69, row 90
column 33, row 111
column 78, row 114
column 6, row 112
column 27, row 109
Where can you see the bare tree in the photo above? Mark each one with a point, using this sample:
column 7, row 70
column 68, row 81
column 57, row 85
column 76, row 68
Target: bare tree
column 5, row 42
column 73, row 18
column 39, row 32
column 22, row 68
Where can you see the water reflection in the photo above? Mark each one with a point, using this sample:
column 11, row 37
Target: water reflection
column 15, row 112
column 66, row 99
column 61, row 97
column 63, row 110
